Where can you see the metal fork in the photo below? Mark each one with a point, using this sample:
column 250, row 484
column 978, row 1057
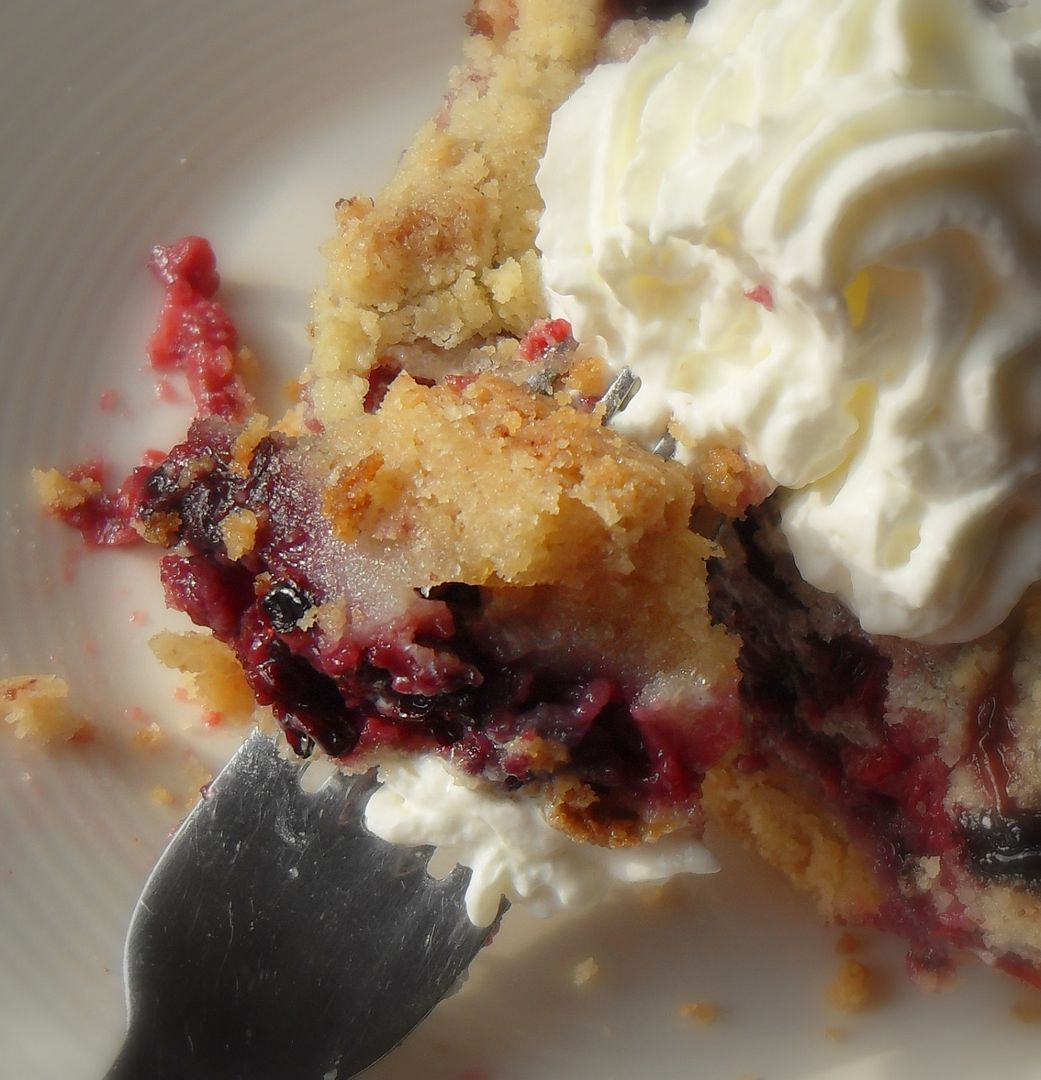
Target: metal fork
column 277, row 939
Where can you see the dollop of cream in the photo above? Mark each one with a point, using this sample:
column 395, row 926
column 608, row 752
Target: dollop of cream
column 814, row 232
column 508, row 844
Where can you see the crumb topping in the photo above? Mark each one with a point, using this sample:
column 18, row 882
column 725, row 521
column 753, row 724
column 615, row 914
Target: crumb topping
column 37, row 708
column 212, row 674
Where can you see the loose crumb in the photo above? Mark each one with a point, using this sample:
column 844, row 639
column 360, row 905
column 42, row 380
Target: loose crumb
column 198, row 778
column 836, row 1034
column 213, row 676
column 162, row 795
column 706, row 1012
column 854, row 989
column 1027, row 1010
column 585, row 971
column 84, row 734
column 148, row 737
column 239, row 530
column 848, row 944
column 37, row 707
column 57, row 492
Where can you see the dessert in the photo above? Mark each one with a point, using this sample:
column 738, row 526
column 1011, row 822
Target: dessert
column 442, row 549
column 815, row 236
column 381, row 601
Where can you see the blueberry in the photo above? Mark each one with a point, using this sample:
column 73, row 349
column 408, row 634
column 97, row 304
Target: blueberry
column 1004, row 847
column 286, row 605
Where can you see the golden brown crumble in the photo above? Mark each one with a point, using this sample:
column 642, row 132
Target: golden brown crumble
column 787, row 825
column 37, row 708
column 446, row 252
column 705, row 1012
column 255, row 430
column 585, row 971
column 148, row 737
column 1027, row 1010
column 351, row 493
column 543, row 755
column 553, row 499
column 854, row 988
column 160, row 529
column 575, row 809
column 587, row 376
column 730, row 482
column 197, row 777
column 239, row 532
column 56, row 491
column 212, row 673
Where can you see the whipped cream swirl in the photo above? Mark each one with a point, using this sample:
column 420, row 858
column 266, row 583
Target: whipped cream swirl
column 814, row 230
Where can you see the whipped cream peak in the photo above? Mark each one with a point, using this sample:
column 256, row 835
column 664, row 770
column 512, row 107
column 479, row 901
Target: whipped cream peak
column 814, row 232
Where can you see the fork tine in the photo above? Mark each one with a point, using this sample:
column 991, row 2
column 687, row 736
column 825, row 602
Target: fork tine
column 619, row 393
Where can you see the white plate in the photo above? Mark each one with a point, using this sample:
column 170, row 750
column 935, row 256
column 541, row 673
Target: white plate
column 126, row 124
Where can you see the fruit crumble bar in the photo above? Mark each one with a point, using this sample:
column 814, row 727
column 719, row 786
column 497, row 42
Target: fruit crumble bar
column 443, row 548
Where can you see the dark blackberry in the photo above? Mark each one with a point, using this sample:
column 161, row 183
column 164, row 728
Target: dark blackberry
column 286, row 605
column 1004, row 848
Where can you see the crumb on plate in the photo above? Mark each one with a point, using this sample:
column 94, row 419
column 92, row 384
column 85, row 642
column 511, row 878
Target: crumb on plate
column 37, row 707
column 848, row 944
column 706, row 1012
column 148, row 737
column 198, row 777
column 59, row 492
column 1027, row 1010
column 854, row 988
column 162, row 795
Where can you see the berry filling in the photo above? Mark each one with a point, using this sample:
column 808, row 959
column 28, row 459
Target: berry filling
column 195, row 335
column 822, row 705
column 439, row 673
